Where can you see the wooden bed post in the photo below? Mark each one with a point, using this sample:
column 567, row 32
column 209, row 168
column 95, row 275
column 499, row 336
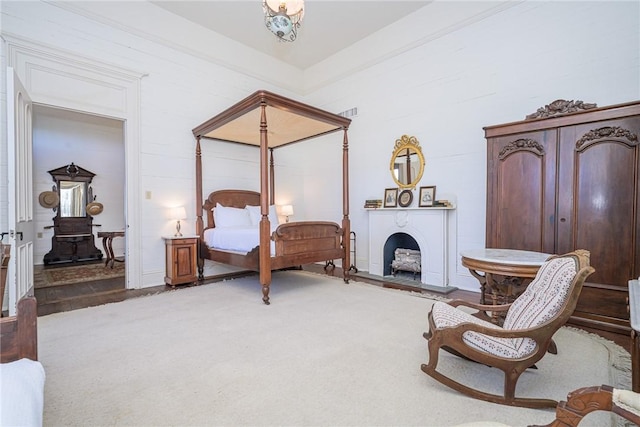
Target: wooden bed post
column 199, row 223
column 346, row 224
column 272, row 179
column 265, row 228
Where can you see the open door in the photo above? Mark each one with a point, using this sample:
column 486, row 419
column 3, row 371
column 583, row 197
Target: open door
column 20, row 177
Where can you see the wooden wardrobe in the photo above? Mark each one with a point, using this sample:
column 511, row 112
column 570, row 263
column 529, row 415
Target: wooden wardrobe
column 568, row 177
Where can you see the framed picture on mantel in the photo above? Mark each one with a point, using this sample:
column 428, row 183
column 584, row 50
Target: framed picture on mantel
column 427, row 196
column 405, row 198
column 391, row 198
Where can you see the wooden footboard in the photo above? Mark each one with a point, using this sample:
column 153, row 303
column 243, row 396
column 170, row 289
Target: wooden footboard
column 19, row 333
column 304, row 242
column 296, row 243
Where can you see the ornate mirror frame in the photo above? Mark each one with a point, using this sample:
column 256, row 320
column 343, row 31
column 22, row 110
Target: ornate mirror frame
column 406, row 155
column 75, row 181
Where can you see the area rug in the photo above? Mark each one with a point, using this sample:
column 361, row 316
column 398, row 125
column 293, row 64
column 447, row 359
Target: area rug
column 324, row 353
column 45, row 277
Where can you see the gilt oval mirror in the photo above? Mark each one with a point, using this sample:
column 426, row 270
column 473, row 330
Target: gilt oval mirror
column 407, row 162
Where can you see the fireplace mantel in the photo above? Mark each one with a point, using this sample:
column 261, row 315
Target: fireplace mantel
column 428, row 226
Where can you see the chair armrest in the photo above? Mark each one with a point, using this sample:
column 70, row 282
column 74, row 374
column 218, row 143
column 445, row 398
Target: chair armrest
column 481, row 307
column 533, row 333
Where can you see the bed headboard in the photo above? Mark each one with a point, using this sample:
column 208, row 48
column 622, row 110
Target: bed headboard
column 19, row 333
column 229, row 198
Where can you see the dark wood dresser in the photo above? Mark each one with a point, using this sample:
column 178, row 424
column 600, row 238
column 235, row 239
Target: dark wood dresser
column 566, row 178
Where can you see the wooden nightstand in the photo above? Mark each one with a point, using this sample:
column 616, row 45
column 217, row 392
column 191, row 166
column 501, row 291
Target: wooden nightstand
column 181, row 260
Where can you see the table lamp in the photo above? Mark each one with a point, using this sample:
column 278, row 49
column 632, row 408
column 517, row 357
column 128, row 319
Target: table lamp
column 178, row 213
column 286, row 211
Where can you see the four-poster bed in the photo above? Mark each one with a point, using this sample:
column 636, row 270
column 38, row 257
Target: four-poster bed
column 269, row 121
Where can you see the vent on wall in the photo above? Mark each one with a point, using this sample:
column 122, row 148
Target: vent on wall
column 349, row 113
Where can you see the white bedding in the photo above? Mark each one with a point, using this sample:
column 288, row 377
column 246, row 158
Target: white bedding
column 236, row 239
column 21, row 393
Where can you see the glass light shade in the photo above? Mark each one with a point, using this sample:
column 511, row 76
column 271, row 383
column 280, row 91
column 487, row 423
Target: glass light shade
column 280, row 25
column 283, row 18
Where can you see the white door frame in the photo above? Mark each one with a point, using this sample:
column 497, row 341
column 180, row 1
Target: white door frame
column 63, row 79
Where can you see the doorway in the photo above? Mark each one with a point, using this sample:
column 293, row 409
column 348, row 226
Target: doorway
column 75, row 83
column 95, row 143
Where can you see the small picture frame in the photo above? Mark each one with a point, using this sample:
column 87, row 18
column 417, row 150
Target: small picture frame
column 391, row 198
column 405, row 198
column 427, row 196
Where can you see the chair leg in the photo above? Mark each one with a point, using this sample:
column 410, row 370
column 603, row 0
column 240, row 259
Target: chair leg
column 510, row 381
column 523, row 402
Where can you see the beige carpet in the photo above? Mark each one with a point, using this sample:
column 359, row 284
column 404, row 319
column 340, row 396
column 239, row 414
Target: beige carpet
column 323, row 353
column 45, row 277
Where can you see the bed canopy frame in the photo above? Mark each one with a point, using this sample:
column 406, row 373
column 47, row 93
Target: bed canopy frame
column 270, row 121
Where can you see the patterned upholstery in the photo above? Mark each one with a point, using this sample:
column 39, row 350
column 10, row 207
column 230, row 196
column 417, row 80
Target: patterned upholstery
column 541, row 301
column 627, row 400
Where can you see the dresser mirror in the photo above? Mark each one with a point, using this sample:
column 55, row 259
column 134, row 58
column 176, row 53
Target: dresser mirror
column 73, row 199
column 407, row 162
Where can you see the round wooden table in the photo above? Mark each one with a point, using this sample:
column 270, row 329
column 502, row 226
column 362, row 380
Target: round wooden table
column 506, row 271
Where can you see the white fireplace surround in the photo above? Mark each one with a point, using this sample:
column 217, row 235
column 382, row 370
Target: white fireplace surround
column 428, row 226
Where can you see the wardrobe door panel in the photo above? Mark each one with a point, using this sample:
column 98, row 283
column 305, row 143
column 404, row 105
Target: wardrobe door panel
column 599, row 164
column 521, row 188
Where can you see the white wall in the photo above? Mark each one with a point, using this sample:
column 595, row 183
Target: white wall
column 443, row 90
column 91, row 142
column 495, row 71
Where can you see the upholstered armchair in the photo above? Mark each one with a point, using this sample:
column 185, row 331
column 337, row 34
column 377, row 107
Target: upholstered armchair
column 583, row 401
column 522, row 340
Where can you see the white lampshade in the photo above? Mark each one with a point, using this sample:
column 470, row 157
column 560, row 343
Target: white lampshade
column 178, row 213
column 286, row 210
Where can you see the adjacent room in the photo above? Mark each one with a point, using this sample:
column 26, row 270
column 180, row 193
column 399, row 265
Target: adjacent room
column 258, row 212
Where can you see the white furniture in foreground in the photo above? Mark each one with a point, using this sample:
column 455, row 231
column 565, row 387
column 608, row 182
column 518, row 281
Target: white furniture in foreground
column 21, row 393
column 634, row 319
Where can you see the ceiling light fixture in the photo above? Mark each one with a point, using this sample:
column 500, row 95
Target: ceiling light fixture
column 283, row 18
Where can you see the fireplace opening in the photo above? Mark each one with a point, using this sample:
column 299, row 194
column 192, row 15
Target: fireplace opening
column 395, row 241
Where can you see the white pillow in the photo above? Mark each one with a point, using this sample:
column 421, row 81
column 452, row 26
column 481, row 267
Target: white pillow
column 254, row 214
column 21, row 393
column 230, row 217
